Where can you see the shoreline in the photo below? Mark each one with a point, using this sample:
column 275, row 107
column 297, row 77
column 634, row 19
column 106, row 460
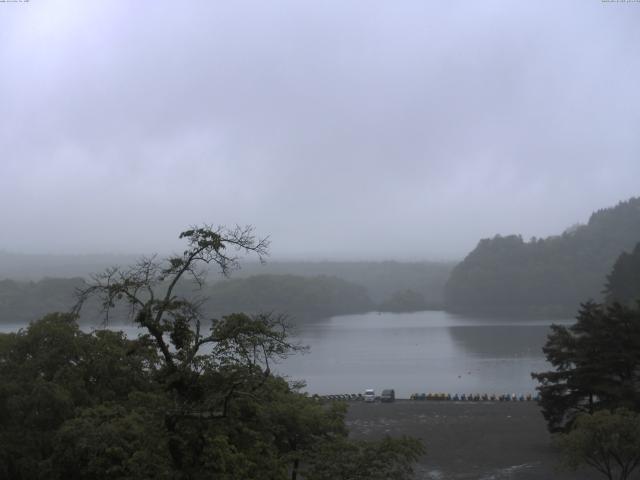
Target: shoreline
column 468, row 440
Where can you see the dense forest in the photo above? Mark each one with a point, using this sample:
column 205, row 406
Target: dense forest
column 381, row 279
column 22, row 302
column 300, row 298
column 544, row 276
column 623, row 283
column 303, row 290
column 591, row 396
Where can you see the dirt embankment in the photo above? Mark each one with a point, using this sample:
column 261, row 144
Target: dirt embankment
column 468, row 440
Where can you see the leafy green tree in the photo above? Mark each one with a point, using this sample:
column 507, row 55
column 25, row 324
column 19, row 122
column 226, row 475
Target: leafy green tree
column 52, row 370
column 299, row 424
column 192, row 398
column 608, row 442
column 596, row 364
column 300, row 296
column 342, row 459
column 112, row 441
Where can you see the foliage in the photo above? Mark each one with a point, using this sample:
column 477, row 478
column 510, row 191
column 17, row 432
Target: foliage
column 544, row 276
column 623, row 283
column 380, row 279
column 50, row 372
column 301, row 297
column 149, row 290
column 191, row 398
column 22, row 302
column 306, row 290
column 606, row 441
column 363, row 460
column 95, row 406
column 404, row 301
column 596, row 364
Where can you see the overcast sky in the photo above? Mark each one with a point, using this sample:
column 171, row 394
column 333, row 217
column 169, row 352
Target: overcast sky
column 342, row 129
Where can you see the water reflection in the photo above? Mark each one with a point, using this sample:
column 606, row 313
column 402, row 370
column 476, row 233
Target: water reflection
column 420, row 352
column 501, row 341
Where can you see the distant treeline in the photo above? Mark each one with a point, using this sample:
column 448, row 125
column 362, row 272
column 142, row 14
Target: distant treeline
column 548, row 276
column 35, row 267
column 302, row 298
column 382, row 280
column 22, row 302
column 502, row 275
column 623, row 283
column 316, row 291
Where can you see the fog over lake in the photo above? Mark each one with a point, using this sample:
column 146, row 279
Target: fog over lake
column 431, row 351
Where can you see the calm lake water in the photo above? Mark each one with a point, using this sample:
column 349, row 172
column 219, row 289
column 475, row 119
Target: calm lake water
column 419, row 352
column 431, row 351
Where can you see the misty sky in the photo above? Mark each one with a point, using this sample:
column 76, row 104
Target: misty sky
column 342, row 129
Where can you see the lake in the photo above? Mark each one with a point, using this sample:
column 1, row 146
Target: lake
column 422, row 352
column 431, row 351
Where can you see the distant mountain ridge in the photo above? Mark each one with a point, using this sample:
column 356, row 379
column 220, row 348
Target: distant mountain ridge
column 383, row 280
column 22, row 302
column 550, row 276
column 299, row 298
column 35, row 267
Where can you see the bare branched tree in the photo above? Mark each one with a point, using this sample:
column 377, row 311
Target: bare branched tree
column 237, row 349
column 148, row 288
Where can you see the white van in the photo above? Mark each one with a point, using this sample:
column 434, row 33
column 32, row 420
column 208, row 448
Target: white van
column 369, row 395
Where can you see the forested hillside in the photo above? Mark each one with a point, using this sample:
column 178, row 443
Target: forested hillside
column 301, row 298
column 544, row 276
column 623, row 283
column 303, row 289
column 35, row 267
column 382, row 280
column 22, row 302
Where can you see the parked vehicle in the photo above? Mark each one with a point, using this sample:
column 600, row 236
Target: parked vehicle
column 369, row 395
column 388, row 395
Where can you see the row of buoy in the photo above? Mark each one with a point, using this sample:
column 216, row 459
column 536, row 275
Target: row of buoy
column 475, row 397
column 344, row 397
column 463, row 397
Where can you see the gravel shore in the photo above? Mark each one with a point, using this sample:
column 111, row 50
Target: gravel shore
column 468, row 440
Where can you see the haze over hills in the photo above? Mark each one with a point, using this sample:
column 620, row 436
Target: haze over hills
column 381, row 279
column 303, row 290
column 35, row 267
column 507, row 274
column 300, row 298
column 502, row 275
